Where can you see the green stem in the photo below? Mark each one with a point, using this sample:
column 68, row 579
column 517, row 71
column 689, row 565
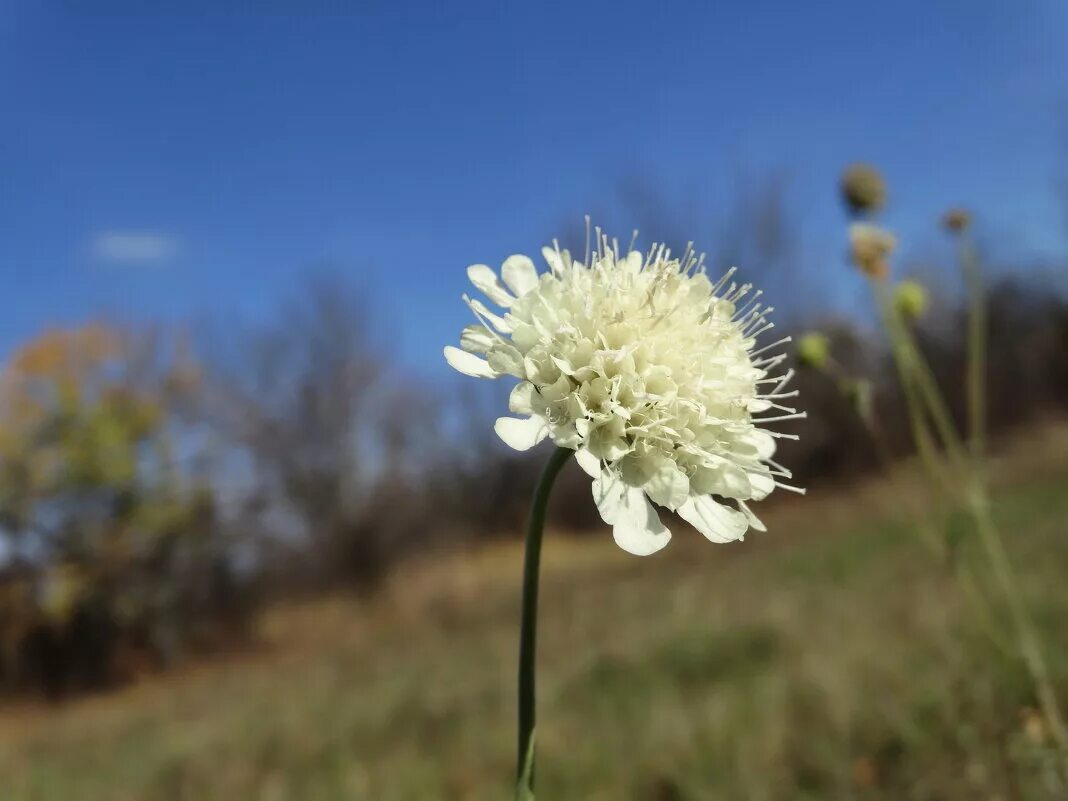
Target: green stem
column 973, row 277
column 1027, row 637
column 528, row 632
column 927, row 386
column 916, row 373
column 905, row 362
column 932, row 463
column 913, row 367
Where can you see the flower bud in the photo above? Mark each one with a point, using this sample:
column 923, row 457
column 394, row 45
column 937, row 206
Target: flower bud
column 956, row 220
column 863, row 188
column 911, row 300
column 813, row 350
column 869, row 248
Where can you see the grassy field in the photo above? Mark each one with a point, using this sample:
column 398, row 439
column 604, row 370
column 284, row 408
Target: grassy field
column 831, row 658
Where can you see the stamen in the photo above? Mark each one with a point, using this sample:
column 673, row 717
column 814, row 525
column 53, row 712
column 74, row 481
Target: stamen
column 751, row 316
column 726, row 277
column 778, row 466
column 740, row 293
column 484, row 320
column 586, row 260
column 782, row 408
column 771, row 361
column 786, row 377
column 780, row 418
column 748, row 305
column 766, row 348
column 763, row 316
column 758, row 332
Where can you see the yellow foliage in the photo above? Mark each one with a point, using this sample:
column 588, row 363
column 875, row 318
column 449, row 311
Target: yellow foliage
column 68, row 352
column 76, row 408
column 62, row 588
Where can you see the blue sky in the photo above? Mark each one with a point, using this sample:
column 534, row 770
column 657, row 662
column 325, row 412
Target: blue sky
column 189, row 160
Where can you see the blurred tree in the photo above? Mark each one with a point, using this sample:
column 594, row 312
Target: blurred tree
column 114, row 542
column 331, row 439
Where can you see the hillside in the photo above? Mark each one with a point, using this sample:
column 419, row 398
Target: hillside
column 829, row 658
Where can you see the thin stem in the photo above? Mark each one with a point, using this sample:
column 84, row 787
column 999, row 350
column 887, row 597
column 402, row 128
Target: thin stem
column 932, row 462
column 904, row 360
column 973, row 277
column 528, row 632
column 1029, row 643
column 885, row 459
column 913, row 367
column 990, row 536
column 916, row 372
column 928, row 387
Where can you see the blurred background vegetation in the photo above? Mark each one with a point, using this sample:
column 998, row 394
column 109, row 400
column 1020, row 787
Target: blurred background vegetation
column 274, row 555
column 294, row 570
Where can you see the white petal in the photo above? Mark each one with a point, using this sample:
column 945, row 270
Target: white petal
column 762, row 485
column 638, row 529
column 483, row 313
column 519, row 401
column 524, row 335
column 485, row 280
column 668, row 486
column 588, row 462
column 519, row 274
column 553, row 259
column 606, row 447
column 521, row 434
column 608, row 491
column 504, row 359
column 468, row 363
column 761, row 441
column 713, row 519
column 734, row 481
column 566, row 436
column 556, row 391
column 640, row 465
column 476, row 339
column 605, row 441
column 755, row 522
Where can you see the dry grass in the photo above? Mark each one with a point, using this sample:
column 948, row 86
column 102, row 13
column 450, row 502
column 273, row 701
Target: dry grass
column 830, row 659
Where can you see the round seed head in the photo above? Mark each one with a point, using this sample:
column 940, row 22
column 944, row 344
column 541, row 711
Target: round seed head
column 957, row 220
column 869, row 249
column 911, row 300
column 863, row 188
column 813, row 350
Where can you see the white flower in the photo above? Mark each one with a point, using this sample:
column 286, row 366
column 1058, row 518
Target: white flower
column 647, row 370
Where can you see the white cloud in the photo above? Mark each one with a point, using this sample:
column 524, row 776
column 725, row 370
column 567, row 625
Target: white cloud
column 133, row 248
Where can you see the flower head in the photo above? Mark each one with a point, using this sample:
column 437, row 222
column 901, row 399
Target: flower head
column 863, row 188
column 957, row 220
column 813, row 350
column 870, row 247
column 911, row 300
column 645, row 368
